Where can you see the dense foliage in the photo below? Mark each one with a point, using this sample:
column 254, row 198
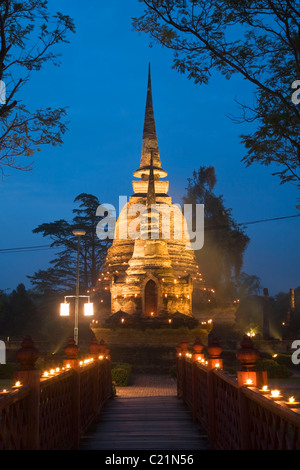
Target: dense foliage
column 61, row 276
column 29, row 39
column 256, row 40
column 225, row 242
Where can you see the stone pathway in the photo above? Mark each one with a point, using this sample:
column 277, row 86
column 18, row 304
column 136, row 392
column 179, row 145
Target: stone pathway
column 147, row 415
column 149, row 386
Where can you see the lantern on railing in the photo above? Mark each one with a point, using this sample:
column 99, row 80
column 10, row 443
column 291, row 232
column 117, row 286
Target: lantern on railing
column 248, row 356
column 94, row 347
column 27, row 355
column 71, row 350
column 197, row 350
column 214, row 350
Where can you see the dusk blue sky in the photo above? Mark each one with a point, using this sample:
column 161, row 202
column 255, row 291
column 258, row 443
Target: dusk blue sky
column 103, row 81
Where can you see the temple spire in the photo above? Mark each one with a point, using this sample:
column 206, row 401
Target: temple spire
column 150, row 143
column 151, row 185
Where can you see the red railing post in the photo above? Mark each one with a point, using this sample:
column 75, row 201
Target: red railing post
column 195, row 390
column 214, row 351
column 196, row 356
column 27, row 356
column 211, row 408
column 197, row 350
column 179, row 371
column 214, row 362
column 247, row 376
column 71, row 360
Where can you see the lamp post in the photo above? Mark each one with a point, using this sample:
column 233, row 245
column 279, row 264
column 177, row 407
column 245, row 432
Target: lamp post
column 88, row 306
column 79, row 233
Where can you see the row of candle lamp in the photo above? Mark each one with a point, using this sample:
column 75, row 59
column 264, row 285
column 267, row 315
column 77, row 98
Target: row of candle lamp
column 275, row 394
column 15, row 386
column 201, row 360
column 52, row 372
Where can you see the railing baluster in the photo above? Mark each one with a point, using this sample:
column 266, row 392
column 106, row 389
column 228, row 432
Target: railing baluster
column 52, row 412
column 235, row 414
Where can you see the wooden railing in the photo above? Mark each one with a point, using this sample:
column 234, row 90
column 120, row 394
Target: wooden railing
column 51, row 411
column 236, row 415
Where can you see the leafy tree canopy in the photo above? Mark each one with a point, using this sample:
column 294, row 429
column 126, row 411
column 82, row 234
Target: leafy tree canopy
column 225, row 242
column 258, row 40
column 29, row 37
column 61, row 275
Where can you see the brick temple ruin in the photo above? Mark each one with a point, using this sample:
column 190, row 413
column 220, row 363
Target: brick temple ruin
column 150, row 276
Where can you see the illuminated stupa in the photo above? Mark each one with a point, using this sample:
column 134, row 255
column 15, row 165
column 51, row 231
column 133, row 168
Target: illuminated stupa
column 155, row 273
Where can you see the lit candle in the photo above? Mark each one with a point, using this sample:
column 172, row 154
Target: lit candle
column 249, row 382
column 292, row 402
column 17, row 384
column 275, row 394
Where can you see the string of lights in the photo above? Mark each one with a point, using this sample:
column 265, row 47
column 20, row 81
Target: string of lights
column 26, row 249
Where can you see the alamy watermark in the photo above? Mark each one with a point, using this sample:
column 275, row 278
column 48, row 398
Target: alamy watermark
column 2, row 353
column 296, row 354
column 296, row 94
column 165, row 222
column 2, row 92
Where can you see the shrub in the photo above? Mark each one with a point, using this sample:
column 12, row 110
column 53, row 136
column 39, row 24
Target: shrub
column 173, row 372
column 121, row 374
column 120, row 377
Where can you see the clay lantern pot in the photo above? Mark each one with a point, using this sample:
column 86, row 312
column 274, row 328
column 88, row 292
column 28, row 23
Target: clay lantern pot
column 247, row 354
column 214, row 349
column 197, row 346
column 184, row 346
column 71, row 350
column 27, row 355
column 102, row 349
column 94, row 347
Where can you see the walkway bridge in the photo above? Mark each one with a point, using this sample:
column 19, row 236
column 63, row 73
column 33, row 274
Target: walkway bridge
column 73, row 407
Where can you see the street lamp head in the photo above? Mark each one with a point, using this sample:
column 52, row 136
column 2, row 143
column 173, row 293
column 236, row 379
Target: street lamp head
column 79, row 232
